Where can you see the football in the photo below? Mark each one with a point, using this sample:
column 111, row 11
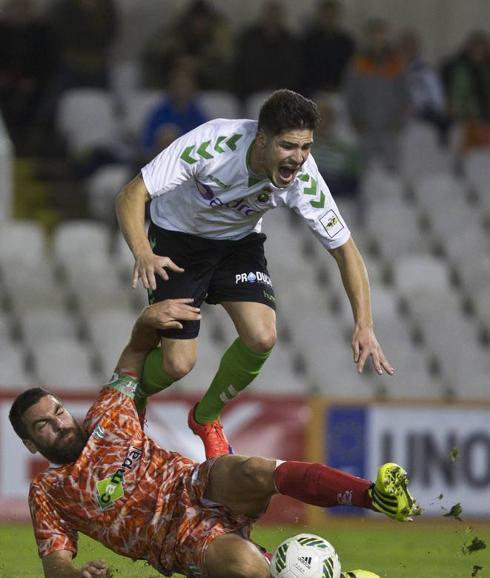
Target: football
column 305, row 556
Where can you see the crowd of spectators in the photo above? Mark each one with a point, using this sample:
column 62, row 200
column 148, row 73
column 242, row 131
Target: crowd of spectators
column 384, row 79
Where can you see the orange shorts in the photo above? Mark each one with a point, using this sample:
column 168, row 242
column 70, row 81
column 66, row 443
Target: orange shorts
column 200, row 522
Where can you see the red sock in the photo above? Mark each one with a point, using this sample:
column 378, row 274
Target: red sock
column 321, row 485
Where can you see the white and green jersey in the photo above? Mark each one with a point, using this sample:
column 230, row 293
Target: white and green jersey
column 201, row 184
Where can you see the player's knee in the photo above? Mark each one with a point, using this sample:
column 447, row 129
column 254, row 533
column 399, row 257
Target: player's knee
column 178, row 367
column 258, row 474
column 263, row 341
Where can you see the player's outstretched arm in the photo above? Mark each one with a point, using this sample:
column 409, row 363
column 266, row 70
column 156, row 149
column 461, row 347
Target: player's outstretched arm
column 356, row 284
column 166, row 314
column 59, row 565
column 130, row 210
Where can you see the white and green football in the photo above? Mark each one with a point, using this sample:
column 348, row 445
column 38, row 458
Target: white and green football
column 305, row 556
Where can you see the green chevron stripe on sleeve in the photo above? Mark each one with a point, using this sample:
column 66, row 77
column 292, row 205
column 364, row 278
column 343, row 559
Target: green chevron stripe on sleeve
column 202, row 152
column 217, row 147
column 311, row 190
column 320, row 203
column 231, row 142
column 186, row 155
column 304, row 177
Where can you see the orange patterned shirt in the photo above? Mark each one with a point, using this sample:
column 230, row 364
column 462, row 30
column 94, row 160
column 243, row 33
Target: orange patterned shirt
column 134, row 497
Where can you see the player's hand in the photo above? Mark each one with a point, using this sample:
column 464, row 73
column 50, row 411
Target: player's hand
column 168, row 314
column 364, row 345
column 94, row 569
column 147, row 265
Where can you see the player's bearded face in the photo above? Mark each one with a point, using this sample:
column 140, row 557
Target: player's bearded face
column 66, row 447
column 53, row 431
column 285, row 154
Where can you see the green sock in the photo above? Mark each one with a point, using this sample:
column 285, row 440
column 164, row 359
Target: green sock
column 154, row 379
column 239, row 366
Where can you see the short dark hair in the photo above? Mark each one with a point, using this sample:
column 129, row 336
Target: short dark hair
column 21, row 404
column 287, row 110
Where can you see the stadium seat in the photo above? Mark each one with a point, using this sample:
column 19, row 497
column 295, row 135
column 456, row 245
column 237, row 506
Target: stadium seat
column 377, row 183
column 138, row 105
column 278, row 376
column 384, row 302
column 474, row 274
column 420, row 152
column 99, row 288
column 420, row 273
column 24, row 294
column 103, row 187
column 435, row 190
column 80, row 242
column 412, row 378
column 480, row 299
column 13, row 373
column 124, row 262
column 457, row 248
column 331, row 371
column 451, row 218
column 109, row 332
column 63, row 364
column 86, row 119
column 22, row 243
column 123, row 257
column 125, row 79
column 47, row 324
column 475, row 168
column 219, row 104
column 395, row 229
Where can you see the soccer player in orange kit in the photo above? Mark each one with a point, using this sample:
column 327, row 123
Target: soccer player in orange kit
column 110, row 481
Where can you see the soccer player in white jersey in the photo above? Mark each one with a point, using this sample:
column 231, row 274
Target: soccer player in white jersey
column 110, row 481
column 208, row 192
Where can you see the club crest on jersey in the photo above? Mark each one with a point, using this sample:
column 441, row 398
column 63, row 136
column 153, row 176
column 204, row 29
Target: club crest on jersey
column 263, row 197
column 331, row 223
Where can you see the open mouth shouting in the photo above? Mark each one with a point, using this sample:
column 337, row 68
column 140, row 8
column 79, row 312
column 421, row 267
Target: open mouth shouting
column 286, row 174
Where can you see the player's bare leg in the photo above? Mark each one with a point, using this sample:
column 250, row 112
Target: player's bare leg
column 231, row 556
column 243, row 484
column 179, row 356
column 255, row 324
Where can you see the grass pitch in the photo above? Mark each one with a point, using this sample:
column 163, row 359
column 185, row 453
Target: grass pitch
column 393, row 550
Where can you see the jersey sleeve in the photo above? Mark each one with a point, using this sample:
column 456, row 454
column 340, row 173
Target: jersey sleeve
column 52, row 533
column 314, row 203
column 179, row 162
column 116, row 398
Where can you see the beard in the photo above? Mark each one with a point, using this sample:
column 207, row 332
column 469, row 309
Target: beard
column 67, row 447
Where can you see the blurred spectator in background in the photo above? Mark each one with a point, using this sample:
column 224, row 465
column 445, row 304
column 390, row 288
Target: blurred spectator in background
column 85, row 32
column 266, row 54
column 27, row 63
column 326, row 50
column 426, row 87
column 377, row 95
column 338, row 157
column 177, row 113
column 468, row 88
column 200, row 33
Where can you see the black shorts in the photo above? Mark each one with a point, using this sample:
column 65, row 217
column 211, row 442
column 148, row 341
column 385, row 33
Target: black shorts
column 215, row 271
